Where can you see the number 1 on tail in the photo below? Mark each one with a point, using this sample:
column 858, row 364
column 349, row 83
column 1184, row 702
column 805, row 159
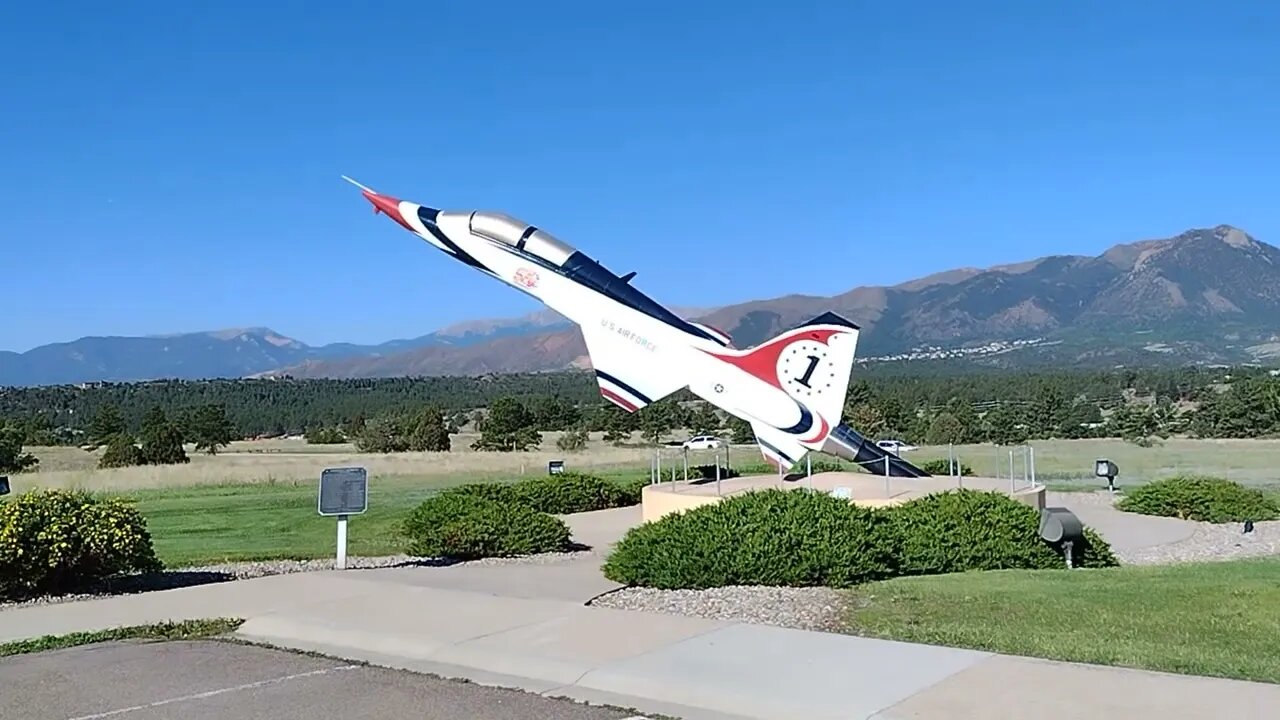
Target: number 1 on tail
column 808, row 373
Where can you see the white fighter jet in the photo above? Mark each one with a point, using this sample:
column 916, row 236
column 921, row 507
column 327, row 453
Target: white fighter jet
column 790, row 388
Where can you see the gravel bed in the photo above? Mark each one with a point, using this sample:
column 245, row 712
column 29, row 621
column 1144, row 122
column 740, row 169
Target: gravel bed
column 223, row 572
column 1208, row 542
column 1211, row 542
column 812, row 608
column 1083, row 497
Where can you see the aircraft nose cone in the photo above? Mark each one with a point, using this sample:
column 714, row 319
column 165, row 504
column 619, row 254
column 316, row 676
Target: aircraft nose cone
column 383, row 203
column 387, row 204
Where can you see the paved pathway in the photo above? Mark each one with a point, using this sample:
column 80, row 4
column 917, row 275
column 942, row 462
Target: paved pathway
column 576, row 577
column 660, row 664
column 211, row 680
column 1125, row 531
column 570, row 578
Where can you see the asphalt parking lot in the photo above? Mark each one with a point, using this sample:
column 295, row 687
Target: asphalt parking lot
column 193, row 680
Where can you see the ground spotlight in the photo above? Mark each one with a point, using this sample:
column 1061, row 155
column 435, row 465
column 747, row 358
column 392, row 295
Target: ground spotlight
column 1104, row 468
column 1060, row 527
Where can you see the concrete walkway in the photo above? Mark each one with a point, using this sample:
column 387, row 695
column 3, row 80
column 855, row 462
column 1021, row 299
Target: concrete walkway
column 1125, row 531
column 660, row 664
column 577, row 578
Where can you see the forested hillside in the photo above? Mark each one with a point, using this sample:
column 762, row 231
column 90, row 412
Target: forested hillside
column 919, row 406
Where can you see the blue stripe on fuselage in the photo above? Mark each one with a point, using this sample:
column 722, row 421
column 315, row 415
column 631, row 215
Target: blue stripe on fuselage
column 776, row 451
column 656, row 311
column 805, row 424
column 613, row 379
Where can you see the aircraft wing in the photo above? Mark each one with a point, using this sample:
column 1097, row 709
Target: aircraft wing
column 627, row 372
column 778, row 447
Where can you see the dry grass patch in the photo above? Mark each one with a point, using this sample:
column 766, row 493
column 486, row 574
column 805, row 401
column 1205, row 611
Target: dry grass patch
column 286, row 461
column 1070, row 462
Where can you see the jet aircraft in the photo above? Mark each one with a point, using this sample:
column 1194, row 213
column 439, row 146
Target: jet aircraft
column 791, row 388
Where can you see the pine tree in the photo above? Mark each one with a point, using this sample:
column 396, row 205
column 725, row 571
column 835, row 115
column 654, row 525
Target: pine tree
column 210, row 428
column 740, row 430
column 382, row 435
column 154, row 420
column 161, row 440
column 508, row 427
column 427, row 431
column 1005, row 427
column 867, row 420
column 1048, row 413
column 657, row 419
column 967, row 419
column 121, row 452
column 859, row 394
column 704, row 420
column 105, row 425
column 12, row 459
column 944, row 429
column 618, row 424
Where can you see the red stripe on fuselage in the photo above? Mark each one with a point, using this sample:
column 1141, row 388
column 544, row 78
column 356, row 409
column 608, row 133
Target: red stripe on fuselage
column 618, row 400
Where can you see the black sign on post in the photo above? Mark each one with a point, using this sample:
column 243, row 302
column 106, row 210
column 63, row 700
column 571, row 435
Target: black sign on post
column 344, row 491
column 555, row 467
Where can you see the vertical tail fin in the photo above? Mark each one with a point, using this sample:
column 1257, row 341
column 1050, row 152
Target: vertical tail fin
column 811, row 362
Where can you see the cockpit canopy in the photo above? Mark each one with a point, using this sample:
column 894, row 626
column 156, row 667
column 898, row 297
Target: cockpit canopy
column 500, row 227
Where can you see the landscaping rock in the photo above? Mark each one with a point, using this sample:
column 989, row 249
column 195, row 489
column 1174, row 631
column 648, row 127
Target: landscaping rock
column 222, row 572
column 809, row 608
column 1211, row 542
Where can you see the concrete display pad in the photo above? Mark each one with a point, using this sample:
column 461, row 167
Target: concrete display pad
column 861, row 488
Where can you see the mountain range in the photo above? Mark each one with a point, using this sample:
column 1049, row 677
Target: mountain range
column 1206, row 295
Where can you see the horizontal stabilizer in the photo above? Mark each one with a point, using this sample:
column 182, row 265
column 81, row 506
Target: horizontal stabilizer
column 777, row 446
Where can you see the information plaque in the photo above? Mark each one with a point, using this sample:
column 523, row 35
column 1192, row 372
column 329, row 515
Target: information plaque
column 344, row 491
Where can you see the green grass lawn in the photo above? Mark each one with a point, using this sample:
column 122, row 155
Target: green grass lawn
column 209, row 524
column 205, row 524
column 186, row 630
column 1219, row 619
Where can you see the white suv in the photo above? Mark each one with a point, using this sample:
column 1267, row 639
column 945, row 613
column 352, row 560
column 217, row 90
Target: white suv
column 701, row 442
column 895, row 446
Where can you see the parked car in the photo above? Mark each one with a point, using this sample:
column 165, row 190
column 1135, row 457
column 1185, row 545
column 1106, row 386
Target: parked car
column 701, row 442
column 894, row 446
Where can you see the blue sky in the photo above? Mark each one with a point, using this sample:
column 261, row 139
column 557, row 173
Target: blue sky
column 168, row 168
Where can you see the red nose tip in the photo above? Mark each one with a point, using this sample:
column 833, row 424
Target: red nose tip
column 388, row 205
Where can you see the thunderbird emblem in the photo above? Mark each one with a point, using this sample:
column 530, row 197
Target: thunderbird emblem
column 526, row 277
